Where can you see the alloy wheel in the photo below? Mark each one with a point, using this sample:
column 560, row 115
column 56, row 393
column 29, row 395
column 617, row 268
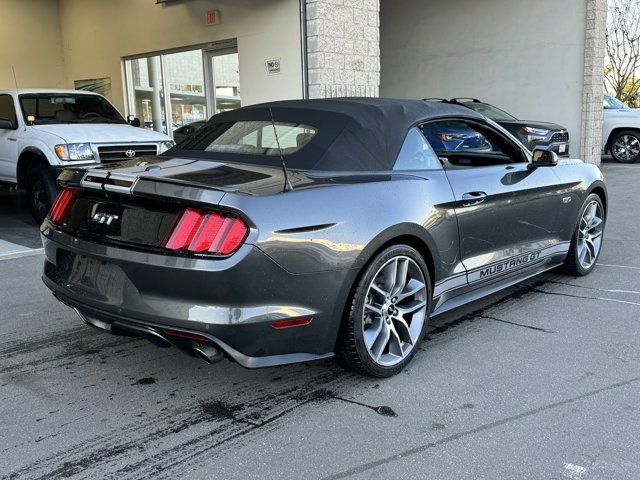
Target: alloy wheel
column 627, row 148
column 590, row 234
column 394, row 311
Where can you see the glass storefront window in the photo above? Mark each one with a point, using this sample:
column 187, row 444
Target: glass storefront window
column 179, row 88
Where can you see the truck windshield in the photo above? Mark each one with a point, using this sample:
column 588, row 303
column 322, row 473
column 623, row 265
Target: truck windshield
column 613, row 103
column 49, row 108
column 489, row 111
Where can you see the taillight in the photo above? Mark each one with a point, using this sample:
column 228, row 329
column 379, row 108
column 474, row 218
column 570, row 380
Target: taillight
column 62, row 205
column 201, row 231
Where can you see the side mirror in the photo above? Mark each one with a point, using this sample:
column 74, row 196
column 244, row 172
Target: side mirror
column 6, row 124
column 133, row 121
column 544, row 158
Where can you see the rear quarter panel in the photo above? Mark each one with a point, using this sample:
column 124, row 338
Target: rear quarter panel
column 341, row 227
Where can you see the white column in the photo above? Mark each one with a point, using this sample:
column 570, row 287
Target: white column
column 156, row 85
column 594, row 48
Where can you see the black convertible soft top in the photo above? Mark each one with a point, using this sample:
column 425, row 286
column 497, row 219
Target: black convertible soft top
column 353, row 134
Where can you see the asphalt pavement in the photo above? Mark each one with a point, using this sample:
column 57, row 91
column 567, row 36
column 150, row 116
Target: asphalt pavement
column 541, row 381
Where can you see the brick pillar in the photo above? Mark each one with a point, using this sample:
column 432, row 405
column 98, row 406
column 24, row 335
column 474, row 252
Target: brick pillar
column 594, row 49
column 343, row 48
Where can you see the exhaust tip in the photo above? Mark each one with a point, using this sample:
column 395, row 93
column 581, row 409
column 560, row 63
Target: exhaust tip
column 208, row 353
column 94, row 322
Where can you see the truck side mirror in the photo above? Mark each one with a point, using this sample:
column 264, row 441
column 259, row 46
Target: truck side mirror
column 133, row 121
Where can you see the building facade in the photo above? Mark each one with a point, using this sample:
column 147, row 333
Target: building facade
column 175, row 62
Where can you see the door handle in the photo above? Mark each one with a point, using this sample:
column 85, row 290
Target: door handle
column 473, row 198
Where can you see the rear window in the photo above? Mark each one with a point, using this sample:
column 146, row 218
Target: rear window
column 252, row 138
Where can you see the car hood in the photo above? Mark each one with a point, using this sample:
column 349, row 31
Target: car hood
column 101, row 133
column 530, row 123
column 256, row 180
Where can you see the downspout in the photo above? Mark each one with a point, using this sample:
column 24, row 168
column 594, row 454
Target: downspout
column 303, row 47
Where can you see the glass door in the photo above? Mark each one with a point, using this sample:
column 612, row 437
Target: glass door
column 223, row 80
column 185, row 82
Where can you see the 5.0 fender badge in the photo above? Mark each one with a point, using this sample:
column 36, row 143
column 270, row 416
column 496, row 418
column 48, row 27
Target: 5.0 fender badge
column 566, row 199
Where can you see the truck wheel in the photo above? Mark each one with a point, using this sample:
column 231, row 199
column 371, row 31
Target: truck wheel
column 625, row 146
column 41, row 192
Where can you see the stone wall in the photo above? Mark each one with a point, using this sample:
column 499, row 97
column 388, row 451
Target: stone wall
column 591, row 137
column 343, row 48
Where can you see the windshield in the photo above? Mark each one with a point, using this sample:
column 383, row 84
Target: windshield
column 613, row 103
column 251, row 138
column 489, row 111
column 50, row 108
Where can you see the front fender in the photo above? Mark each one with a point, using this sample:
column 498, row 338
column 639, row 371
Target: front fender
column 42, row 144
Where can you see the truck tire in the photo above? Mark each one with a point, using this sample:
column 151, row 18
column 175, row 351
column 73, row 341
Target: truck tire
column 625, row 146
column 41, row 192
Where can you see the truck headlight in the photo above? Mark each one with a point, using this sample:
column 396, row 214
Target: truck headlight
column 74, row 151
column 538, row 132
column 164, row 146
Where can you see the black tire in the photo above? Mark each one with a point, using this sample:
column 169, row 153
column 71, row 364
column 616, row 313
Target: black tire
column 572, row 264
column 41, row 192
column 634, row 140
column 351, row 350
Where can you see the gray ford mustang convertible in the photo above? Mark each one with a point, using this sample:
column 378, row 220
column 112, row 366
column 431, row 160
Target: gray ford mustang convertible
column 296, row 230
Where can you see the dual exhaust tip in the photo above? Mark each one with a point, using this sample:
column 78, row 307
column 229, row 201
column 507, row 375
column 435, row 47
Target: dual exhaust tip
column 203, row 351
column 208, row 353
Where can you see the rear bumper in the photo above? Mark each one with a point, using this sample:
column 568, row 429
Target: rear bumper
column 231, row 301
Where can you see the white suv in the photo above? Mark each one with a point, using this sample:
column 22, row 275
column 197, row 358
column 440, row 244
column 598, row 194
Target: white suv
column 42, row 131
column 621, row 130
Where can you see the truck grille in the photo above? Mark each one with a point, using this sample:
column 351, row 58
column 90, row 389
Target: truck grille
column 561, row 136
column 124, row 152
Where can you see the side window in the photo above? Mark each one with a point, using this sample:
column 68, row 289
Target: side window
column 457, row 136
column 7, row 109
column 462, row 143
column 416, row 154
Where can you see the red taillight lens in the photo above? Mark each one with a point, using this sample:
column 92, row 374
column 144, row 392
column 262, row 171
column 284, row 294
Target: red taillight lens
column 62, row 205
column 206, row 232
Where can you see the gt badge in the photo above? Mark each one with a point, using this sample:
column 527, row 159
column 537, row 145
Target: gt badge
column 106, row 218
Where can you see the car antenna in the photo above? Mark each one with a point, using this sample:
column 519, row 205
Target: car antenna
column 15, row 81
column 287, row 183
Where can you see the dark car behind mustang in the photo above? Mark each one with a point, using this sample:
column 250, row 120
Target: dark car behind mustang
column 293, row 231
column 533, row 134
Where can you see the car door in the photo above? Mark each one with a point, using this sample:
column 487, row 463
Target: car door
column 8, row 139
column 506, row 210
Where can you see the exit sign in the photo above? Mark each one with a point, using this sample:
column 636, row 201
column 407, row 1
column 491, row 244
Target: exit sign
column 212, row 17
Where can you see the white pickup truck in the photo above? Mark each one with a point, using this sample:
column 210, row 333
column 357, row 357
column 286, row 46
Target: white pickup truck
column 42, row 131
column 621, row 130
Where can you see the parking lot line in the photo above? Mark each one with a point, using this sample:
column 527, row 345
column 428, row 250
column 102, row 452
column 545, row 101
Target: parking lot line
column 618, row 266
column 10, row 250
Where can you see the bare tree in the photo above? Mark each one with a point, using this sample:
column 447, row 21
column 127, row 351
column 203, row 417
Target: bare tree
column 623, row 50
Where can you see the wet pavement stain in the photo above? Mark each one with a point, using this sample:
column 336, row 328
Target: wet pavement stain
column 324, row 395
column 219, row 410
column 145, row 381
column 384, row 411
